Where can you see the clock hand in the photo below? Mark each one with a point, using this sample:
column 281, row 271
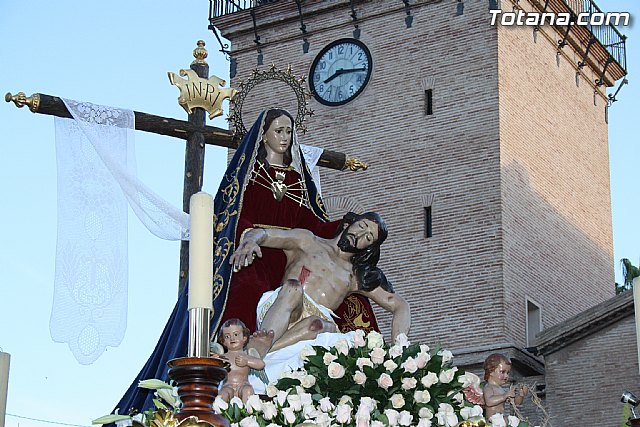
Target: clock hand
column 342, row 71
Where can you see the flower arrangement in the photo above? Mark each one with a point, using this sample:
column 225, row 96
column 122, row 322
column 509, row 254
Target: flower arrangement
column 367, row 383
column 358, row 384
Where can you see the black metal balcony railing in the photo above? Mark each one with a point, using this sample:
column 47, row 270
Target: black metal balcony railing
column 608, row 36
column 219, row 8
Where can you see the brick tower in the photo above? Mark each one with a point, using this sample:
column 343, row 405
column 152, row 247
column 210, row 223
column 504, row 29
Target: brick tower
column 487, row 148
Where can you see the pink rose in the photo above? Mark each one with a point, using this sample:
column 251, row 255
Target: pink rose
column 377, row 355
column 410, row 365
column 358, row 338
column 385, row 381
column 359, row 377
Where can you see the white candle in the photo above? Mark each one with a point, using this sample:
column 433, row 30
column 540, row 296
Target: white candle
column 5, row 359
column 636, row 304
column 201, row 251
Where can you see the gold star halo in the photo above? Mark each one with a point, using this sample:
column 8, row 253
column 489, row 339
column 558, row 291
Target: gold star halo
column 257, row 77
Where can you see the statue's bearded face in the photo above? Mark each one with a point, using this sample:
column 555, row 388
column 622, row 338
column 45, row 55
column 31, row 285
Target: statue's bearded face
column 358, row 236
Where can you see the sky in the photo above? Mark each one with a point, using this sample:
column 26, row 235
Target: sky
column 118, row 53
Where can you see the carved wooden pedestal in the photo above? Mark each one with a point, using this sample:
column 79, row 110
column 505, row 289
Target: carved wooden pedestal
column 198, row 379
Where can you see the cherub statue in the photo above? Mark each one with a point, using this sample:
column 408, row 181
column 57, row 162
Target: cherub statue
column 496, row 374
column 234, row 335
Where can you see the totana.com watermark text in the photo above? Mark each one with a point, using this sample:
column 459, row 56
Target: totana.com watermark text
column 562, row 18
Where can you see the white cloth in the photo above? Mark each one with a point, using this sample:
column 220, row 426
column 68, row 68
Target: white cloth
column 96, row 178
column 310, row 307
column 311, row 156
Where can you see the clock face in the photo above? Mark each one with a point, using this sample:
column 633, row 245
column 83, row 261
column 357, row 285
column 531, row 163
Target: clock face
column 340, row 72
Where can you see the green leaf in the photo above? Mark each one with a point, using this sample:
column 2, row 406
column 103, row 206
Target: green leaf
column 112, row 418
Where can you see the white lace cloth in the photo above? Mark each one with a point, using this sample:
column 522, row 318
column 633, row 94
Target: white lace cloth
column 96, row 178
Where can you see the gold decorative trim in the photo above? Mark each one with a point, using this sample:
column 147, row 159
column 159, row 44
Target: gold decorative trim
column 21, row 99
column 258, row 77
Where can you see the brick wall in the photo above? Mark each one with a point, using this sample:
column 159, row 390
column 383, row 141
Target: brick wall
column 586, row 379
column 520, row 197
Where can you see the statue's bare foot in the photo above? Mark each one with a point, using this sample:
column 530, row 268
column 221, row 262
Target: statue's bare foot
column 261, row 341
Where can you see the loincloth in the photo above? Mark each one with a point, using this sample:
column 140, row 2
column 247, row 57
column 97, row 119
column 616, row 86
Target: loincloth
column 309, row 308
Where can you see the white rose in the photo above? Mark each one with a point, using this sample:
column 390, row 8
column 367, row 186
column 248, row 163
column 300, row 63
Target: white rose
column 409, row 383
column 377, row 355
column 289, row 415
column 344, row 400
column 367, row 403
column 342, row 346
column 458, row 397
column 468, row 379
column 424, row 348
column 335, row 370
column 393, row 416
column 424, row 423
column 397, row 401
column 343, row 414
column 359, row 377
column 497, row 420
column 249, row 422
column 377, row 423
column 363, row 417
column 358, row 338
column 325, row 404
column 294, row 402
column 281, row 397
column 219, row 405
column 328, row 358
column 395, row 351
column 323, row 420
column 402, row 340
column 446, row 356
column 269, row 410
column 471, row 411
column 422, row 359
column 425, row 413
column 447, row 375
column 421, row 396
column 308, row 381
column 385, row 381
column 363, row 361
column 374, row 340
column 306, row 399
column 390, row 365
column 513, row 421
column 272, row 390
column 410, row 365
column 430, row 379
column 236, row 401
column 446, row 415
column 405, row 418
column 254, row 404
column 306, row 352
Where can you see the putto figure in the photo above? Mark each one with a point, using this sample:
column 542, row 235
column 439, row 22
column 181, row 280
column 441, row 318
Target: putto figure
column 234, row 335
column 320, row 273
column 496, row 374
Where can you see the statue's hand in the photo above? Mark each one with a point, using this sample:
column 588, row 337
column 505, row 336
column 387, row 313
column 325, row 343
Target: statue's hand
column 242, row 360
column 244, row 255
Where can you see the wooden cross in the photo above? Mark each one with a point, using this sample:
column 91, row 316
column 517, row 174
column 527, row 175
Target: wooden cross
column 196, row 133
